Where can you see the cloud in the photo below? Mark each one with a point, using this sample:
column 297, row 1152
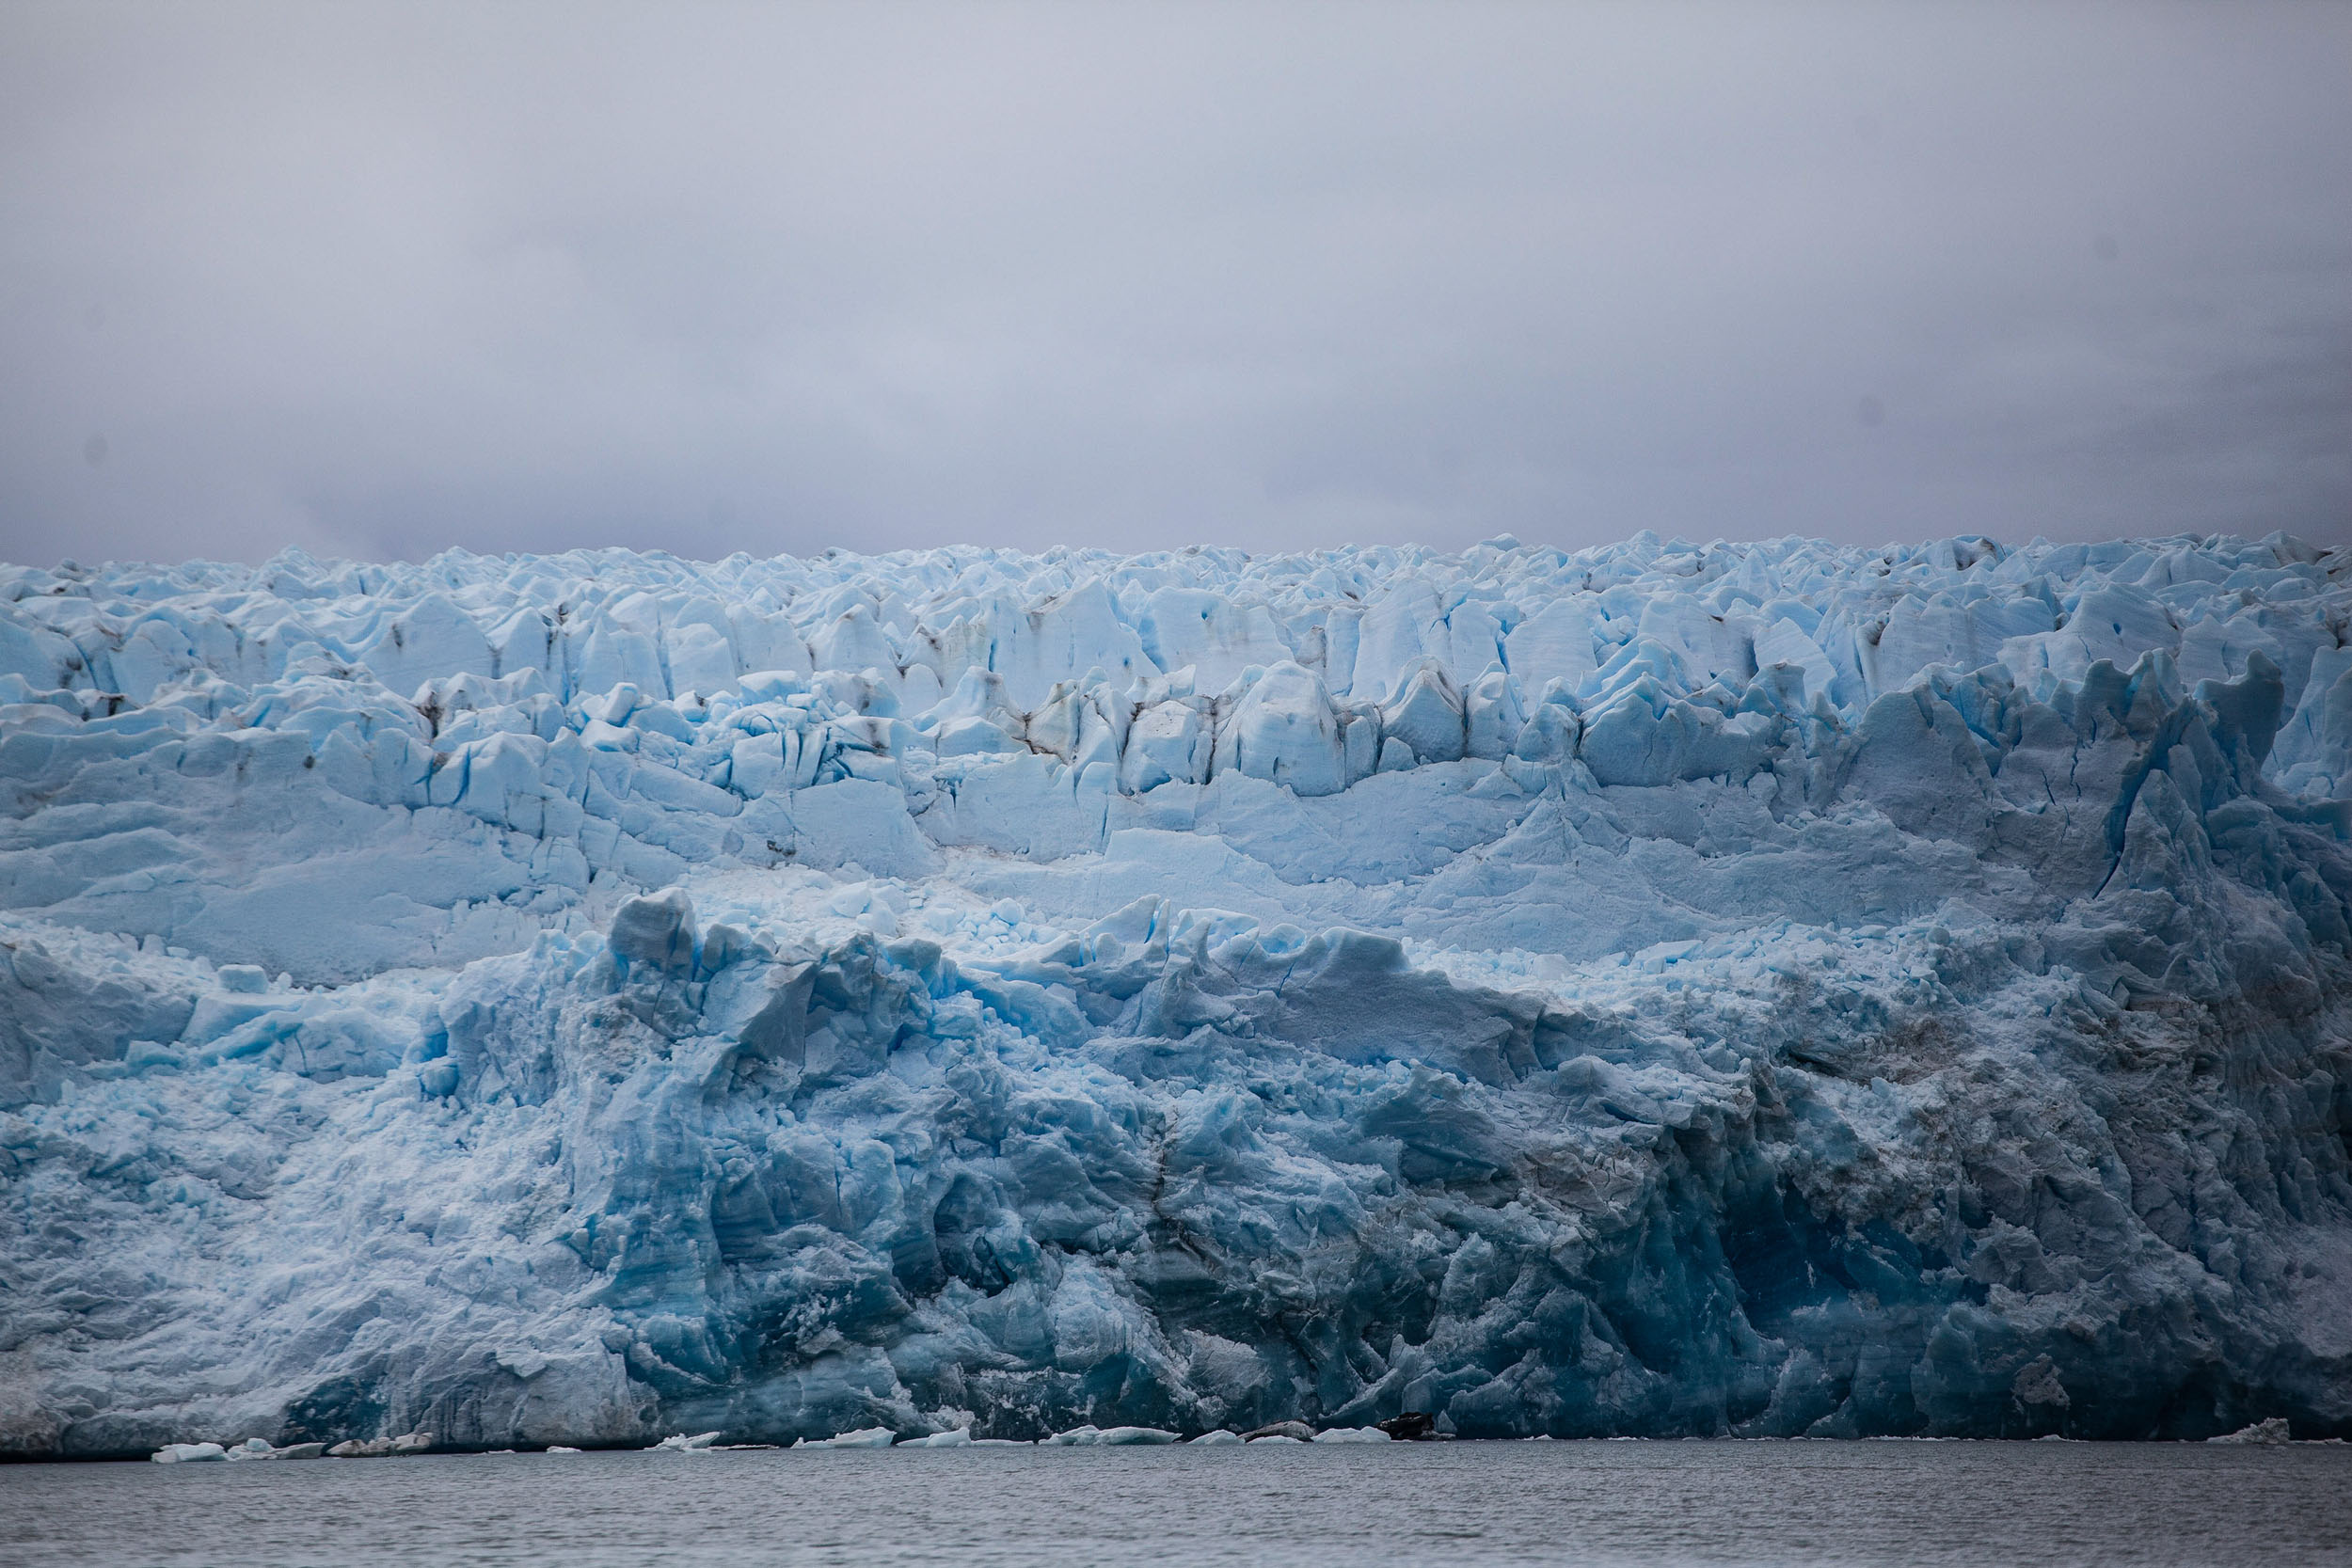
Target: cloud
column 382, row 279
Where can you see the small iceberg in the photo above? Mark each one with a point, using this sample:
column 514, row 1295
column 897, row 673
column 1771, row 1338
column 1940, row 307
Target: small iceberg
column 957, row 1437
column 1295, row 1432
column 382, row 1448
column 188, row 1454
column 2268, row 1434
column 869, row 1437
column 1136, row 1436
column 259, row 1448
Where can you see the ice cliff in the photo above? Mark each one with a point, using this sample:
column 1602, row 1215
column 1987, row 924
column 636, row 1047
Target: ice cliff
column 1761, row 989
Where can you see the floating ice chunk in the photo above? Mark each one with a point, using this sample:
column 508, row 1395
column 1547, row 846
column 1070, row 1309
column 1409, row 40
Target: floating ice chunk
column 680, row 1442
column 956, row 1438
column 1082, row 1436
column 1352, row 1435
column 1220, row 1438
column 380, row 1448
column 188, row 1454
column 259, row 1448
column 1296, row 1431
column 1134, row 1436
column 865, row 1438
column 2268, row 1432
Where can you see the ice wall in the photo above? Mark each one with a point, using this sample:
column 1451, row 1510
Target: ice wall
column 1765, row 988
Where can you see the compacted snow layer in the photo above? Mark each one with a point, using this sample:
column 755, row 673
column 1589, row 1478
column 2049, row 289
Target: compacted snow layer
column 1763, row 988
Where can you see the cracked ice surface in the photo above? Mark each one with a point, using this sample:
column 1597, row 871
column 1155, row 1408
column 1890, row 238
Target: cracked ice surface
column 1764, row 989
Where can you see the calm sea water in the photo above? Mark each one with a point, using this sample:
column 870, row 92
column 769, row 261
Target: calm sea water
column 1458, row 1503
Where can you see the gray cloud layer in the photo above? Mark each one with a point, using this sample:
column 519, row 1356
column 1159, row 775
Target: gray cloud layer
column 378, row 279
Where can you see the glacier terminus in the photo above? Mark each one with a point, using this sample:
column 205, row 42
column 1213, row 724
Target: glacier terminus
column 1666, row 989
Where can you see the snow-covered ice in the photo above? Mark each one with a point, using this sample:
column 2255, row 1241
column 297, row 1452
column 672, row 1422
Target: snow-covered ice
column 1670, row 989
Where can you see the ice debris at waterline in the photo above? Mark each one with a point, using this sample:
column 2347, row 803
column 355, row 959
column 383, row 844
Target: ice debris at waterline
column 1762, row 989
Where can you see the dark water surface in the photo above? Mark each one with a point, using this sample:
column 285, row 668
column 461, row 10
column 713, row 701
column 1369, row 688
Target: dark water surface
column 1459, row 1503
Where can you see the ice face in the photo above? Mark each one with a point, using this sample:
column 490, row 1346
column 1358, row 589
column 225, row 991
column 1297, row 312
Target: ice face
column 1755, row 989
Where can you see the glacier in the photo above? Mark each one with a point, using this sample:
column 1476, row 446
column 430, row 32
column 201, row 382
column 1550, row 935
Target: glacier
column 1763, row 988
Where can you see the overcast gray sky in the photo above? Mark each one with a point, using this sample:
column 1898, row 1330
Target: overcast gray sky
column 380, row 279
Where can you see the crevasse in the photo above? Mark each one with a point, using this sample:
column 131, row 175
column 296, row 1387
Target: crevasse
column 1743, row 988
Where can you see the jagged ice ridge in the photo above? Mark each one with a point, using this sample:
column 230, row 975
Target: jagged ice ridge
column 1761, row 989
